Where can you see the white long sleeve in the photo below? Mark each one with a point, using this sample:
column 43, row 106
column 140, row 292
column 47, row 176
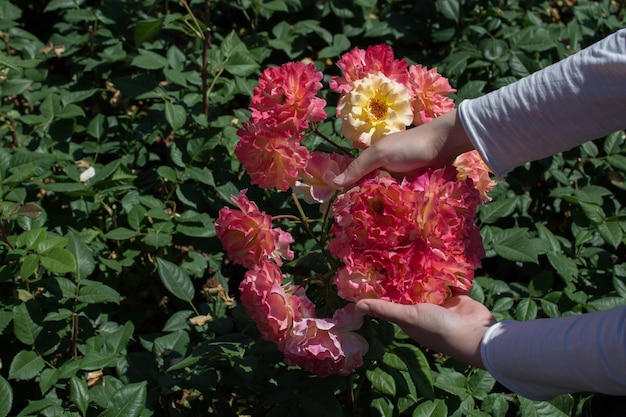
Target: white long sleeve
column 540, row 359
column 578, row 99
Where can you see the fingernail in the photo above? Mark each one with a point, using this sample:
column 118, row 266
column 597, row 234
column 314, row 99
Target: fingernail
column 339, row 179
column 363, row 307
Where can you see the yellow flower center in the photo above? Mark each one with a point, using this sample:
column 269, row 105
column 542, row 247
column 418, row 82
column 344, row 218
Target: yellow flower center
column 378, row 108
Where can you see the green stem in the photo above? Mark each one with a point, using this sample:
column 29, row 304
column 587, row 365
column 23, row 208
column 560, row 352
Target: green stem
column 330, row 141
column 194, row 308
column 197, row 29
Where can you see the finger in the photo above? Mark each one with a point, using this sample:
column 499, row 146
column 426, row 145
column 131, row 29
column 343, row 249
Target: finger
column 386, row 310
column 366, row 162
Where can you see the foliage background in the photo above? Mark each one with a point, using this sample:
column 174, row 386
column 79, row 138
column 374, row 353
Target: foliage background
column 99, row 279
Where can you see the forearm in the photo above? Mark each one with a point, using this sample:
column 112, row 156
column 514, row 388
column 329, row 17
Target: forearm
column 540, row 359
column 573, row 101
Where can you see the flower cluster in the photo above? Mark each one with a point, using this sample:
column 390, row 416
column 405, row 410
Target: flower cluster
column 407, row 240
column 283, row 313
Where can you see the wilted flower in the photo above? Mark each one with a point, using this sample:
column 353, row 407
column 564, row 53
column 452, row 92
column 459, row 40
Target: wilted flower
column 375, row 107
column 429, row 90
column 87, row 174
column 247, row 234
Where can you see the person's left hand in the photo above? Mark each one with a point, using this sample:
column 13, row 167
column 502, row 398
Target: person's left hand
column 454, row 328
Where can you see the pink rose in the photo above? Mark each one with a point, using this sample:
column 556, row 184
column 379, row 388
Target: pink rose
column 266, row 302
column 327, row 346
column 429, row 90
column 285, row 98
column 247, row 234
column 358, row 63
column 317, row 178
column 273, row 159
column 471, row 165
column 409, row 242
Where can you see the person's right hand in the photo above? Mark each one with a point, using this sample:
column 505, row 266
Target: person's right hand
column 435, row 143
column 455, row 328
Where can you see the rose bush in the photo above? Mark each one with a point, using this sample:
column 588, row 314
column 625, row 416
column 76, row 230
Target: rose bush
column 407, row 240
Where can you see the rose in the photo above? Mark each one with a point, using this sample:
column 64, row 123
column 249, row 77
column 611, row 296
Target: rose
column 407, row 241
column 247, row 234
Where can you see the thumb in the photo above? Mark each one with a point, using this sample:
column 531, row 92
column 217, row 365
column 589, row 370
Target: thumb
column 365, row 163
column 386, row 310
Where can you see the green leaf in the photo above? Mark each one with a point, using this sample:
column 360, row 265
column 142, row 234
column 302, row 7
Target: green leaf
column 178, row 321
column 25, row 327
column 34, row 408
column 62, row 4
column 97, row 127
column 26, row 365
column 59, row 260
column 450, row 9
column 31, row 238
column 176, row 115
column 619, row 279
column 6, row 397
column 47, row 379
column 177, row 341
column 418, row 368
column 480, row 383
column 121, row 233
column 432, row 408
column 157, row 238
column 94, row 292
column 175, row 280
column 496, row 210
column 611, row 232
column 453, row 382
column 29, row 265
column 149, row 60
column 526, row 310
column 241, row 64
column 84, row 258
column 381, row 381
column 514, row 245
column 593, row 212
column 79, row 394
column 564, row 266
column 147, row 30
column 50, row 243
column 530, row 408
column 128, row 401
column 617, row 161
column 231, row 43
column 97, row 360
column 383, row 406
column 532, row 39
column 117, row 341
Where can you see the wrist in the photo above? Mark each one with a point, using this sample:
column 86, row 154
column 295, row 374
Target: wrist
column 453, row 138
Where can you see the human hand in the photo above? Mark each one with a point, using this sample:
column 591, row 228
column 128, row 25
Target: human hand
column 435, row 143
column 454, row 328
